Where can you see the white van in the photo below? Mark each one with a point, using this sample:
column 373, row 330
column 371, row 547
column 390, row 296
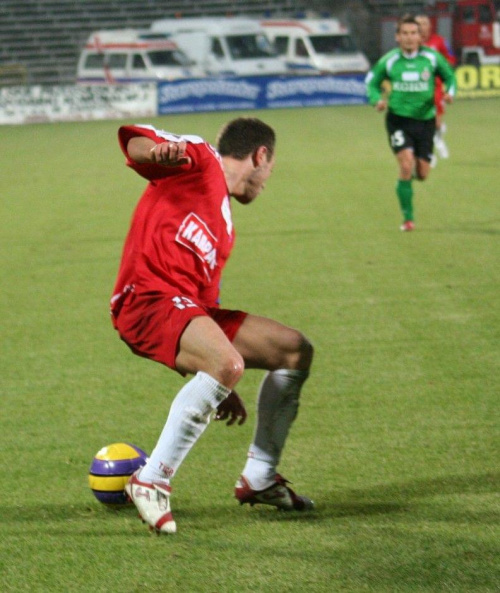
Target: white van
column 316, row 46
column 231, row 46
column 127, row 55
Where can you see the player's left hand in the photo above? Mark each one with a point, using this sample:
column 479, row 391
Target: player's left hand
column 447, row 98
column 233, row 408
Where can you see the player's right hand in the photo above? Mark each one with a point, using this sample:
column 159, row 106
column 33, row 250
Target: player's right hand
column 170, row 154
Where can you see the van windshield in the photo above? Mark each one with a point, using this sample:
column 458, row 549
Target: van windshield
column 243, row 47
column 333, row 44
column 169, row 58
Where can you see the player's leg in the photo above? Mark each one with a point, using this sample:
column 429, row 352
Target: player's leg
column 287, row 355
column 267, row 344
column 196, row 345
column 204, row 346
column 205, row 351
column 424, row 143
column 404, row 186
column 401, row 142
column 423, row 168
column 439, row 142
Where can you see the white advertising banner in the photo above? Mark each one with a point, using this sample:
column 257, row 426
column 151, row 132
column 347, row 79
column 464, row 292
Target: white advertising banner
column 22, row 104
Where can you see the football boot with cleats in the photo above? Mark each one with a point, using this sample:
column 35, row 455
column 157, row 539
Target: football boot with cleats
column 278, row 494
column 407, row 226
column 152, row 500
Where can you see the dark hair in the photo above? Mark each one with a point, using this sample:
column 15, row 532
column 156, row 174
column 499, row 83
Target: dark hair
column 405, row 20
column 242, row 136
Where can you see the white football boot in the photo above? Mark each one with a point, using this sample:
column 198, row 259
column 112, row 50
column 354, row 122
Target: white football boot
column 152, row 500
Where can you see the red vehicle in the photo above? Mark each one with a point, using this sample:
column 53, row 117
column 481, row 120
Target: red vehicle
column 472, row 27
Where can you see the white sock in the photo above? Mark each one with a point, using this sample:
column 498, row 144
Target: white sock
column 188, row 418
column 277, row 408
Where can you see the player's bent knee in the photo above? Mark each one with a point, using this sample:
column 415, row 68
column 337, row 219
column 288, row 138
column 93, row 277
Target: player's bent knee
column 229, row 370
column 301, row 354
column 307, row 352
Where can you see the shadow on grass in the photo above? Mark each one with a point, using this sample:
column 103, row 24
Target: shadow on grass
column 485, row 227
column 389, row 499
column 470, row 484
column 397, row 498
column 61, row 513
column 385, row 499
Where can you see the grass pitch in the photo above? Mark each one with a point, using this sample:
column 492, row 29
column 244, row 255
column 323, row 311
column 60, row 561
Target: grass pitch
column 397, row 436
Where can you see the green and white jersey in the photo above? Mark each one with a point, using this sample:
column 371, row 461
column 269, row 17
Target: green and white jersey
column 412, row 80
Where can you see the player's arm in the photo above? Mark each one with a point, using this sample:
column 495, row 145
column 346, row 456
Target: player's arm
column 445, row 50
column 373, row 82
column 445, row 71
column 169, row 153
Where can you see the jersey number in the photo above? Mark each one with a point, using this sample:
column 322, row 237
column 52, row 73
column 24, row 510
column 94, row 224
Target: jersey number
column 398, row 138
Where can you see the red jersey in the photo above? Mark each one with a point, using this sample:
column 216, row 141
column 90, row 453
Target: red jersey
column 438, row 43
column 181, row 232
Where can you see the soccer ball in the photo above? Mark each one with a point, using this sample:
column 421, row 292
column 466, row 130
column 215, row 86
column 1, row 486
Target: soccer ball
column 110, row 470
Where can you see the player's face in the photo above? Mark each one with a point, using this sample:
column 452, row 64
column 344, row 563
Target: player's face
column 255, row 182
column 408, row 37
column 424, row 24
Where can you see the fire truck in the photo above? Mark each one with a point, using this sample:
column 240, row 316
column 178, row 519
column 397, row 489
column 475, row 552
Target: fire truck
column 472, row 28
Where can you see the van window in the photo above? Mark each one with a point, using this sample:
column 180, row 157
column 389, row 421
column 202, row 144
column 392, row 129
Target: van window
column 249, row 46
column 333, row 44
column 169, row 58
column 138, row 62
column 301, row 49
column 281, row 45
column 94, row 61
column 118, row 61
column 265, row 45
column 217, row 48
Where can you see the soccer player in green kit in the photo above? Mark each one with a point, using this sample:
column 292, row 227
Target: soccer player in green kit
column 411, row 70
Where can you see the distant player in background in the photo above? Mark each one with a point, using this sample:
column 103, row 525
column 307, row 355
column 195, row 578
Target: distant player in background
column 438, row 43
column 165, row 307
column 411, row 70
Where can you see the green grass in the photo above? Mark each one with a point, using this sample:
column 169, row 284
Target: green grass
column 397, row 438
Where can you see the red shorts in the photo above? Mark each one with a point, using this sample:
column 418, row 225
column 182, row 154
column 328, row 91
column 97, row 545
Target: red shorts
column 152, row 324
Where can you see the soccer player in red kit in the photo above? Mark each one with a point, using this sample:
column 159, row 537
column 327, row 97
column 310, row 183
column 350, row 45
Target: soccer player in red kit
column 438, row 43
column 165, row 306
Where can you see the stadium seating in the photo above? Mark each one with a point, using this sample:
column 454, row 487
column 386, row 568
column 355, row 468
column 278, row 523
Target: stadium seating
column 396, row 6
